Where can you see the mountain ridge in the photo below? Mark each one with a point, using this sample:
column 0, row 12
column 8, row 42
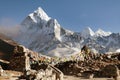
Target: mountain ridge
column 45, row 35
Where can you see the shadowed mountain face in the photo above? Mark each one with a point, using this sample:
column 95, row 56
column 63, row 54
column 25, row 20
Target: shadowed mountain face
column 6, row 47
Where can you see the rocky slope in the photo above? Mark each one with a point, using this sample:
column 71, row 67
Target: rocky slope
column 6, row 47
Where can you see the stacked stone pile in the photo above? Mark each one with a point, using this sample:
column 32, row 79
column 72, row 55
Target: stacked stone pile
column 19, row 60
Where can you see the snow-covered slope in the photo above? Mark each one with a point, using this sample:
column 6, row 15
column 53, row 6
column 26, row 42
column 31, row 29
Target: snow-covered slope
column 100, row 32
column 87, row 32
column 43, row 34
column 118, row 50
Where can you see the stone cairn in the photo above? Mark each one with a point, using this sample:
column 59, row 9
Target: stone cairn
column 20, row 60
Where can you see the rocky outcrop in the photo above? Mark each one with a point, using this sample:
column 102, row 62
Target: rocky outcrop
column 105, row 65
column 19, row 60
column 110, row 71
column 6, row 47
column 1, row 71
column 50, row 73
column 25, row 61
column 22, row 58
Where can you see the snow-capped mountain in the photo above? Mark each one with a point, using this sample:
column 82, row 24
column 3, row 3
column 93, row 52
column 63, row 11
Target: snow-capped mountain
column 100, row 32
column 43, row 34
column 87, row 32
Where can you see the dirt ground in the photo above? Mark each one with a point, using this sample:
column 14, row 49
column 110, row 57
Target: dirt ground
column 80, row 78
column 13, row 75
column 10, row 75
column 65, row 78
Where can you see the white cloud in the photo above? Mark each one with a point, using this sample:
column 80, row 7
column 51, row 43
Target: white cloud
column 9, row 27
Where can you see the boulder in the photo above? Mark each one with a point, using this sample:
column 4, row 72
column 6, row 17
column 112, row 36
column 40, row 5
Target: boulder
column 1, row 71
column 40, row 74
column 110, row 71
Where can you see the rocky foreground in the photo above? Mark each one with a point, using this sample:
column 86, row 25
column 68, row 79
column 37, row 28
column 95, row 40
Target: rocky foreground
column 18, row 62
column 102, row 67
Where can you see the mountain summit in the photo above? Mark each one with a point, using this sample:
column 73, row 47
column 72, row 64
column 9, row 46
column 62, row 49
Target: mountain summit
column 39, row 14
column 36, row 19
column 100, row 32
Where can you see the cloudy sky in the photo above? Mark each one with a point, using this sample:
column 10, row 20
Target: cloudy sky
column 71, row 14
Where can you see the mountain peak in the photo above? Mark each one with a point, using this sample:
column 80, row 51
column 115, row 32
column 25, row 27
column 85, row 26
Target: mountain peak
column 100, row 32
column 39, row 14
column 36, row 19
column 87, row 32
